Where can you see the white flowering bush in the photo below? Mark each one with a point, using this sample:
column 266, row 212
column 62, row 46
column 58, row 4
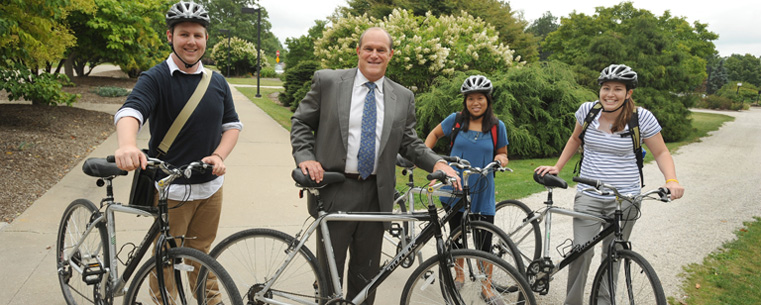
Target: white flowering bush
column 242, row 56
column 424, row 46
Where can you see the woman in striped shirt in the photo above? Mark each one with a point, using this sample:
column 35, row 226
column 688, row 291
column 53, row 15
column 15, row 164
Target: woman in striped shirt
column 609, row 157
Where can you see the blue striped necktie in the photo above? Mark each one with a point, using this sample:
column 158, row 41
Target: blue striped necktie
column 366, row 155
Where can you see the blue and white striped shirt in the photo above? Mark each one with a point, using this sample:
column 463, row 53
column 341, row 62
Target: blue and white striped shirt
column 610, row 157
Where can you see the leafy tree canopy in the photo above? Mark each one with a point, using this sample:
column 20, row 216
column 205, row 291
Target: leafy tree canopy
column 509, row 25
column 127, row 33
column 424, row 47
column 226, row 14
column 668, row 54
column 32, row 34
column 744, row 68
column 541, row 28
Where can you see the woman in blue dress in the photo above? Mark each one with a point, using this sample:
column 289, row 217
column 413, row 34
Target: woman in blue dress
column 475, row 142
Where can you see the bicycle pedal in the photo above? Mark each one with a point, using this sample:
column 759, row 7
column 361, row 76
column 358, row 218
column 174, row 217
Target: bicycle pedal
column 93, row 274
column 395, row 230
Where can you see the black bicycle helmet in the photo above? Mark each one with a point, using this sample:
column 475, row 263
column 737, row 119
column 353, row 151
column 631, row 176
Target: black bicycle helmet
column 618, row 73
column 187, row 11
column 476, row 83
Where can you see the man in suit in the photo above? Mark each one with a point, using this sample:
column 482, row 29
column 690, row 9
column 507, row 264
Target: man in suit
column 333, row 130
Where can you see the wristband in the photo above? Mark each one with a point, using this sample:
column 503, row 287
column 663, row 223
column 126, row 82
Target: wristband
column 223, row 159
column 669, row 180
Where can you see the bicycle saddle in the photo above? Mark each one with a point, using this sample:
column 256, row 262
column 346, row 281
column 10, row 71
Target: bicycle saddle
column 327, row 178
column 402, row 162
column 99, row 167
column 550, row 180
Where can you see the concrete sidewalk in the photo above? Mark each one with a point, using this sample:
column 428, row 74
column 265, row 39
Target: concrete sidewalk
column 258, row 192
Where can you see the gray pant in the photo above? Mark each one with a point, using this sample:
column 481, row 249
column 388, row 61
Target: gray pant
column 363, row 240
column 585, row 230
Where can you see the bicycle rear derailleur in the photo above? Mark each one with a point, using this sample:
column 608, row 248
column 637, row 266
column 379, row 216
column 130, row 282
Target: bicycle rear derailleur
column 538, row 275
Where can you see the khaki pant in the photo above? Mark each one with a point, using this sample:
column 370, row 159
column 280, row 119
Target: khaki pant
column 197, row 221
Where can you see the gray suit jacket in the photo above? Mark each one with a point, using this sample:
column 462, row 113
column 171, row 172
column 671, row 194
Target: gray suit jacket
column 320, row 131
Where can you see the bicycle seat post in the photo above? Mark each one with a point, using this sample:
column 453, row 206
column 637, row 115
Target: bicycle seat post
column 549, row 197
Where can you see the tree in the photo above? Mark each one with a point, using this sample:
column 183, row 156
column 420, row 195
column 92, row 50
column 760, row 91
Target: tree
column 667, row 52
column 744, row 68
column 32, row 34
column 541, row 27
column 302, row 48
column 425, row 47
column 717, row 77
column 509, row 26
column 226, row 14
column 127, row 33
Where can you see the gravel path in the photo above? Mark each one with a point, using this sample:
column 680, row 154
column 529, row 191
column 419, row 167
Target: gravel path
column 721, row 177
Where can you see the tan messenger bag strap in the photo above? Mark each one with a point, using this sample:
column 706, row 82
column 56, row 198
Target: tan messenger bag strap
column 191, row 105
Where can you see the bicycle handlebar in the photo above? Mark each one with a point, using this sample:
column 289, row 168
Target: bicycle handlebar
column 597, row 185
column 173, row 172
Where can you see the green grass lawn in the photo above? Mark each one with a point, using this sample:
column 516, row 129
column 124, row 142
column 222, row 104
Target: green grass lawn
column 252, row 81
column 729, row 275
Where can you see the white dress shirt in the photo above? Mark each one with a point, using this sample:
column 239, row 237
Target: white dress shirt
column 358, row 94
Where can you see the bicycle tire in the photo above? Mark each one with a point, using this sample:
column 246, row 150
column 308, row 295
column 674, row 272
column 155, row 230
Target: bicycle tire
column 94, row 249
column 501, row 244
column 422, row 286
column 509, row 215
column 179, row 262
column 253, row 256
column 643, row 285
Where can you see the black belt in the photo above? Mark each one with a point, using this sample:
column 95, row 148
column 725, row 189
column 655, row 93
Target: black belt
column 354, row 176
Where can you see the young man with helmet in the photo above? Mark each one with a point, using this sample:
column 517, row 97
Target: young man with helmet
column 209, row 133
column 478, row 136
column 607, row 155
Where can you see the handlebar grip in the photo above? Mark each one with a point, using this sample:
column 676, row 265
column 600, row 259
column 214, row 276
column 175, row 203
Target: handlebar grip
column 437, row 175
column 594, row 183
column 110, row 159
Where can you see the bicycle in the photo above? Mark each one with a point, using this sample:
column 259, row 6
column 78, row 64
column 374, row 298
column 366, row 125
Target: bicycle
column 272, row 267
column 87, row 261
column 641, row 283
column 484, row 235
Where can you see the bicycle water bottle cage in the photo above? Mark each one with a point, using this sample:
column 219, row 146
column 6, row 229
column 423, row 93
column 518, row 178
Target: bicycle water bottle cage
column 306, row 182
column 550, row 180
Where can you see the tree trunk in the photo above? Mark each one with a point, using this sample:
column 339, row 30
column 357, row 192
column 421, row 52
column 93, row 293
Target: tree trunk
column 68, row 65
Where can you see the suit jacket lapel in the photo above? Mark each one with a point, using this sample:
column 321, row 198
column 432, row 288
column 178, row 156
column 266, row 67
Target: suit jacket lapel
column 388, row 114
column 344, row 104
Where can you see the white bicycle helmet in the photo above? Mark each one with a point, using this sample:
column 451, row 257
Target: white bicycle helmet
column 187, row 11
column 476, row 83
column 618, row 73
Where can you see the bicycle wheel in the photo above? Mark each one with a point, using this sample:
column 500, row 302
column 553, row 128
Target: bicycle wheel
column 481, row 271
column 253, row 256
column 486, row 236
column 190, row 277
column 509, row 217
column 91, row 257
column 637, row 284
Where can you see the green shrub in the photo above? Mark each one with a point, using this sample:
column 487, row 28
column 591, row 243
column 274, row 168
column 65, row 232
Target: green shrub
column 41, row 89
column 242, row 56
column 536, row 102
column 295, row 79
column 109, row 91
column 719, row 102
column 268, row 72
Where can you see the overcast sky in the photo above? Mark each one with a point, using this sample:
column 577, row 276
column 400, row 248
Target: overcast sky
column 734, row 20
